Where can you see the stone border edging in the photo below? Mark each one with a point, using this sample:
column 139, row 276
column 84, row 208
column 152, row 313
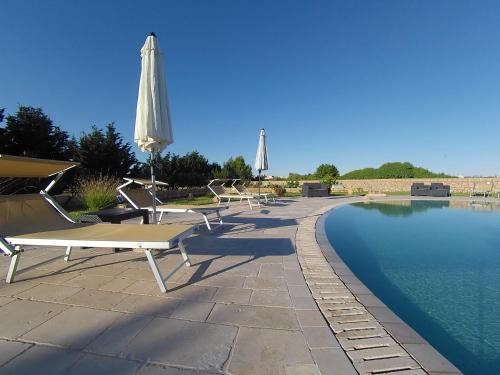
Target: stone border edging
column 373, row 337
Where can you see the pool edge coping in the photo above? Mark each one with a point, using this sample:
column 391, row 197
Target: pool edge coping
column 429, row 358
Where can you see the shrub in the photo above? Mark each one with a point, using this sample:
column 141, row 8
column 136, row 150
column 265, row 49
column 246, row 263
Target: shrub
column 292, row 182
column 279, row 190
column 97, row 192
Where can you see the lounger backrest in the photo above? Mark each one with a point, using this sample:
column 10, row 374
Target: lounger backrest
column 28, row 213
column 140, row 197
column 218, row 190
column 239, row 188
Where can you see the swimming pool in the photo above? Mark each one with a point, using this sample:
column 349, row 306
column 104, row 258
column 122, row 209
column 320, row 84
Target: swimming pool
column 436, row 264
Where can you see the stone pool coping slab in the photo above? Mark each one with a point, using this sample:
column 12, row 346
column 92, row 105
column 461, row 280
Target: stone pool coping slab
column 373, row 337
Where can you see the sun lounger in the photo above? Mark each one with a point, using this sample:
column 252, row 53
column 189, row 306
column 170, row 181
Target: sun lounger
column 37, row 220
column 142, row 198
column 485, row 189
column 241, row 190
column 221, row 194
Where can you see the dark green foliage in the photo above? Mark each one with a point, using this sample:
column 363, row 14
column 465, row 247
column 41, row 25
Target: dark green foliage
column 392, row 170
column 326, row 170
column 104, row 152
column 30, row 132
column 192, row 169
column 2, row 110
column 235, row 168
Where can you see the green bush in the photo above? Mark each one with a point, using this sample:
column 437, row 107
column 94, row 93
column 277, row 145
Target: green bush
column 292, row 182
column 279, row 190
column 97, row 192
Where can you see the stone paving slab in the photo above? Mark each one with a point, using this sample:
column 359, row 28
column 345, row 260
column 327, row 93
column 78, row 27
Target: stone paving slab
column 42, row 360
column 20, row 316
column 11, row 349
column 183, row 343
column 246, row 305
column 268, row 351
column 73, row 328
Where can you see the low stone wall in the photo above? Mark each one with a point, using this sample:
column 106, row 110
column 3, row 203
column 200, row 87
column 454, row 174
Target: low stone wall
column 457, row 185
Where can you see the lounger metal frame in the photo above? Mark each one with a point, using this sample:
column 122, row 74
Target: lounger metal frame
column 221, row 197
column 266, row 196
column 203, row 211
column 12, row 246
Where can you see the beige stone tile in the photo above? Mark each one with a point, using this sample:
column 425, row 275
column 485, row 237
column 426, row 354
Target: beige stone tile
column 89, row 281
column 49, row 293
column 148, row 305
column 271, row 270
column 20, row 316
column 95, row 365
column 10, row 349
column 74, row 328
column 233, row 295
column 192, row 310
column 268, row 351
column 311, row 318
column 116, row 337
column 96, row 298
column 42, row 360
column 275, row 283
column 277, row 298
column 191, row 339
column 117, row 285
column 254, row 316
column 10, row 290
column 189, row 292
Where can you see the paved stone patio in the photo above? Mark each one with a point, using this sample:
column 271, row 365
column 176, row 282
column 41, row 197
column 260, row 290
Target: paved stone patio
column 243, row 307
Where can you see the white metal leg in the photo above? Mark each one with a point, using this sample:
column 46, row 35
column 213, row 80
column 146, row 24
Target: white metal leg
column 68, row 254
column 219, row 217
column 161, row 216
column 207, row 222
column 13, row 267
column 184, row 254
column 156, row 271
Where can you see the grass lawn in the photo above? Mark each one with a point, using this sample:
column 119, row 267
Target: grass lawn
column 75, row 215
column 197, row 201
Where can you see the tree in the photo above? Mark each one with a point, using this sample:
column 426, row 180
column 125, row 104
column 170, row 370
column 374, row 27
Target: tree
column 105, row 152
column 326, row 171
column 192, row 169
column 2, row 110
column 235, row 168
column 30, row 132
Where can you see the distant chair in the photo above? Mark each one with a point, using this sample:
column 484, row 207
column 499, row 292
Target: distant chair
column 242, row 190
column 482, row 188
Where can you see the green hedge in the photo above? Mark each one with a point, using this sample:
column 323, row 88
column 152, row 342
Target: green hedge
column 392, row 170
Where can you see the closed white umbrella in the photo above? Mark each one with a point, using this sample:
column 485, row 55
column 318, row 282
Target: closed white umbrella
column 261, row 163
column 153, row 128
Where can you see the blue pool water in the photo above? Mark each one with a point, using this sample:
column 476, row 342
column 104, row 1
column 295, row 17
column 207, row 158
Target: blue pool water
column 436, row 264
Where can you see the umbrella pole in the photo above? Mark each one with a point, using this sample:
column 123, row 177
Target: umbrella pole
column 259, row 189
column 153, row 186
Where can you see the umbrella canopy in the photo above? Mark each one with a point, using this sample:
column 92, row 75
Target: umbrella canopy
column 153, row 129
column 261, row 163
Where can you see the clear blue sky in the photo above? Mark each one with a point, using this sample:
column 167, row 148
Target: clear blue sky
column 354, row 83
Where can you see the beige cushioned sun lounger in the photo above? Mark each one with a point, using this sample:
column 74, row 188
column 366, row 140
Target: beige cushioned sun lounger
column 142, row 198
column 32, row 220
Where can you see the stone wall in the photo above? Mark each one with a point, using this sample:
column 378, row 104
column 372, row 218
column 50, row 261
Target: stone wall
column 457, row 185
